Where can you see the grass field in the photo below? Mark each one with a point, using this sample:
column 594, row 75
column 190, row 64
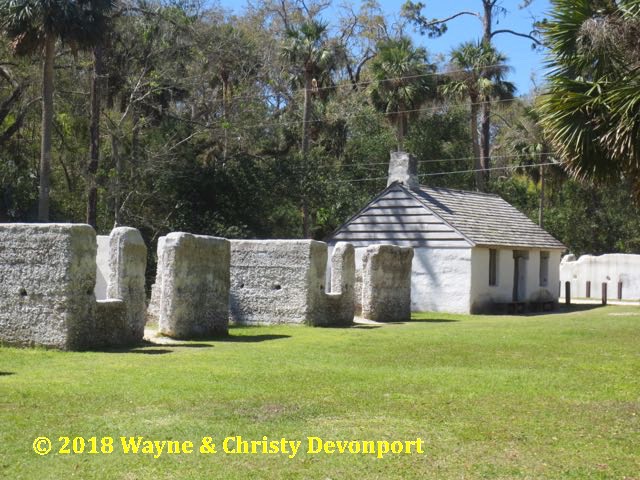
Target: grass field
column 553, row 396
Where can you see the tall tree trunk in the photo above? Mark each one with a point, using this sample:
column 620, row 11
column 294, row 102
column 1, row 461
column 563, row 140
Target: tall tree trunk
column 485, row 122
column 225, row 98
column 485, row 137
column 541, row 208
column 94, row 133
column 47, row 126
column 306, row 115
column 475, row 140
column 115, row 152
column 487, row 20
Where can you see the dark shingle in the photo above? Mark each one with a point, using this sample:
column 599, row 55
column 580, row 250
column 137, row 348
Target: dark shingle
column 485, row 219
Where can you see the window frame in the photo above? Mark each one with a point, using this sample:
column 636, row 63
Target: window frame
column 493, row 267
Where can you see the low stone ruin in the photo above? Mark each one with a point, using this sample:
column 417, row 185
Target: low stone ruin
column 47, row 276
column 282, row 281
column 121, row 298
column 386, row 283
column 47, row 282
column 192, row 286
column 341, row 299
column 63, row 287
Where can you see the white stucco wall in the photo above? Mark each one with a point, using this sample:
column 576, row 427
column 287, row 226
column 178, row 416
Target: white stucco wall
column 440, row 279
column 456, row 280
column 482, row 292
column 610, row 268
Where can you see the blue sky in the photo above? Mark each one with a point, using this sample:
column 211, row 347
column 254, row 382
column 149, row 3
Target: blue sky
column 526, row 62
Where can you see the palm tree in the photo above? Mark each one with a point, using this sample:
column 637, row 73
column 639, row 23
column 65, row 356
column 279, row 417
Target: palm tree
column 35, row 26
column 312, row 57
column 591, row 109
column 401, row 82
column 477, row 75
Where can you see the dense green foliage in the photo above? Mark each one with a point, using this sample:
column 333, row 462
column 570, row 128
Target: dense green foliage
column 591, row 110
column 243, row 126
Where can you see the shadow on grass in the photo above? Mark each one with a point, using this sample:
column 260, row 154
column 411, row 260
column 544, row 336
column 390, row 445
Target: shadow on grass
column 150, row 351
column 6, row 374
column 431, row 320
column 251, row 338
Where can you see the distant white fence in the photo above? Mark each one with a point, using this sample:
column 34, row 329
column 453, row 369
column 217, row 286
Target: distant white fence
column 621, row 273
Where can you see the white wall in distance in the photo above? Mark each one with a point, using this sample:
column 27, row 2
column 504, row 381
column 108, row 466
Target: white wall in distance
column 610, row 268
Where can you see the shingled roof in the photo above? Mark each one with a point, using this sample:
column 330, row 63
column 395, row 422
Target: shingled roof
column 441, row 217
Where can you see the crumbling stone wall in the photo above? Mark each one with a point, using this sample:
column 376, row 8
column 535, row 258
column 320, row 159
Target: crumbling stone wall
column 127, row 265
column 121, row 262
column 47, row 280
column 282, row 281
column 194, row 286
column 386, row 283
column 341, row 300
column 276, row 281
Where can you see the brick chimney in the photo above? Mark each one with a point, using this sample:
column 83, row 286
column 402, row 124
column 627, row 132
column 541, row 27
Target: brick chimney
column 403, row 168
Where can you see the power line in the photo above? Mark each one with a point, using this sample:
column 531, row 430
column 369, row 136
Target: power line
column 362, row 83
column 514, row 167
column 416, row 110
column 459, row 159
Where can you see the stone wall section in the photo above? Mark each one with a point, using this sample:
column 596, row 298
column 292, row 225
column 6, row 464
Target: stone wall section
column 47, row 280
column 282, row 281
column 194, row 286
column 386, row 283
column 272, row 281
column 340, row 301
column 127, row 266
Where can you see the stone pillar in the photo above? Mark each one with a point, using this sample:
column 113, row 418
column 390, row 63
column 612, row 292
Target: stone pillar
column 194, row 291
column 340, row 302
column 47, row 281
column 127, row 266
column 386, row 283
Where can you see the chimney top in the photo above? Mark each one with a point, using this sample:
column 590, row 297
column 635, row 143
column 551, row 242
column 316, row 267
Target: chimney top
column 403, row 168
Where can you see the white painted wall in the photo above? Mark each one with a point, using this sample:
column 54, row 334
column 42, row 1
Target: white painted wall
column 610, row 268
column 482, row 293
column 457, row 280
column 102, row 267
column 441, row 280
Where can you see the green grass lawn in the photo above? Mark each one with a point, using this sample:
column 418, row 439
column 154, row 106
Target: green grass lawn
column 553, row 396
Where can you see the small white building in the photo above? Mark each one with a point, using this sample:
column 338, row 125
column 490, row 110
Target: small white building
column 471, row 250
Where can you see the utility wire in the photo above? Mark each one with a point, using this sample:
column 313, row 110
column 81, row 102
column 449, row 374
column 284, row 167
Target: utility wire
column 356, row 115
column 459, row 159
column 514, row 167
column 362, row 83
